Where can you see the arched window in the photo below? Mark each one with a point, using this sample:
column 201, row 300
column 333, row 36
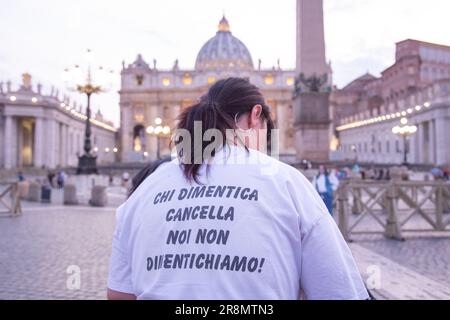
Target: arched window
column 139, row 138
column 268, row 79
column 187, row 79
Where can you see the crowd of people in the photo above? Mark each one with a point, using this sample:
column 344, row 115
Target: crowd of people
column 54, row 179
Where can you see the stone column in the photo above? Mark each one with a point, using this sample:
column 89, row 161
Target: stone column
column 176, row 110
column 61, row 145
column 9, row 141
column 51, row 147
column 415, row 141
column 282, row 127
column 39, row 143
column 66, row 144
column 126, row 135
column 420, row 142
column 152, row 112
column 443, row 152
column 432, row 149
column 2, row 141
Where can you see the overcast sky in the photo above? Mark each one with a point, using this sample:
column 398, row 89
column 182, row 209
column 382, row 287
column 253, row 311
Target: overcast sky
column 43, row 37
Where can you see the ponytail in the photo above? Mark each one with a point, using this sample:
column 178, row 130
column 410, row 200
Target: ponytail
column 218, row 109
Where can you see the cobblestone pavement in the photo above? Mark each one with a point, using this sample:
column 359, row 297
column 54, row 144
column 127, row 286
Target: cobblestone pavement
column 37, row 248
column 417, row 268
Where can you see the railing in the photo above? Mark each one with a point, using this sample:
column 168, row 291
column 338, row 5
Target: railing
column 393, row 207
column 10, row 200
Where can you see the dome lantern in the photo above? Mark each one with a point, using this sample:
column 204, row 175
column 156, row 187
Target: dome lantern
column 224, row 26
column 224, row 52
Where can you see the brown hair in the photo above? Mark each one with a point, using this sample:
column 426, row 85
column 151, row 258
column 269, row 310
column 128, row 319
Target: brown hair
column 225, row 101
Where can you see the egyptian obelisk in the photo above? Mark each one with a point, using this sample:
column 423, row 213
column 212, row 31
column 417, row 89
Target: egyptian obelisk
column 311, row 98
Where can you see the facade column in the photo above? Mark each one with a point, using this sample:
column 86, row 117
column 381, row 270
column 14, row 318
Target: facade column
column 441, row 144
column 2, row 141
column 432, row 147
column 417, row 147
column 412, row 149
column 67, row 154
column 126, row 143
column 281, row 126
column 151, row 141
column 38, row 143
column 421, row 143
column 9, row 147
column 60, row 145
column 51, row 146
column 64, row 145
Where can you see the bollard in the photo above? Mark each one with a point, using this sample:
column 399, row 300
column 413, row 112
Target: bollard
column 23, row 189
column 98, row 196
column 70, row 194
column 34, row 192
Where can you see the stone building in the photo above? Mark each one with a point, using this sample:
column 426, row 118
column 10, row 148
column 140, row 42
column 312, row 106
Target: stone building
column 416, row 87
column 44, row 130
column 148, row 92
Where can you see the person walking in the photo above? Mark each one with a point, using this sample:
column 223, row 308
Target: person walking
column 326, row 183
column 20, row 176
column 50, row 177
column 60, row 179
column 224, row 220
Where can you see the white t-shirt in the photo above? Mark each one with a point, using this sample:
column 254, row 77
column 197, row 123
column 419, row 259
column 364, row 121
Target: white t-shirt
column 254, row 229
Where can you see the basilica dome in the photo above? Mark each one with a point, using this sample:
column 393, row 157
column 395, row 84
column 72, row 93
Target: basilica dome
column 224, row 52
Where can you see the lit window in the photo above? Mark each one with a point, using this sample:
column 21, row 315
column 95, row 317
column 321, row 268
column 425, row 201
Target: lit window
column 290, row 81
column 211, row 80
column 269, row 79
column 166, row 82
column 187, row 79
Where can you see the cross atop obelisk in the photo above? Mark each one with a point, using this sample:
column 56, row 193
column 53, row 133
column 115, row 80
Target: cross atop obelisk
column 311, row 38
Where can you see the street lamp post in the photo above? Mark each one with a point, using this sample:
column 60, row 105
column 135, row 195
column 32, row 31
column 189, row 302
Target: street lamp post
column 404, row 131
column 159, row 131
column 88, row 85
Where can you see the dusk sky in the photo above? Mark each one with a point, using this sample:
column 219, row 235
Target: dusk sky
column 43, row 37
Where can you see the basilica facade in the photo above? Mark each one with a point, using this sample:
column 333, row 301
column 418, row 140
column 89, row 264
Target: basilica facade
column 149, row 93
